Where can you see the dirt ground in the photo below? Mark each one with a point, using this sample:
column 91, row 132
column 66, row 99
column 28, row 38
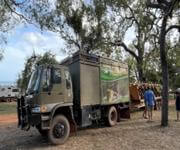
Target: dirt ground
column 7, row 119
column 133, row 134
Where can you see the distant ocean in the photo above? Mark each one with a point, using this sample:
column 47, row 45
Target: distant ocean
column 7, row 83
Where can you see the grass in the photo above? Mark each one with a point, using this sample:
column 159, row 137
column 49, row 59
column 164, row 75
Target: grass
column 8, row 108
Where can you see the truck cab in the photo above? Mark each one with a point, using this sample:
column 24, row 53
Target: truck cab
column 49, row 93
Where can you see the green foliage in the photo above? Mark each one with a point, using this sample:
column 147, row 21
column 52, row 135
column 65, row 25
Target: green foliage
column 176, row 82
column 47, row 59
column 83, row 25
column 96, row 26
column 31, row 62
column 134, row 15
column 173, row 64
column 9, row 18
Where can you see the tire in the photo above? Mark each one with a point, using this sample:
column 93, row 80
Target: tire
column 59, row 130
column 112, row 116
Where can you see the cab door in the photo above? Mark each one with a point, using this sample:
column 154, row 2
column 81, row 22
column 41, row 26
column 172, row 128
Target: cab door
column 55, row 91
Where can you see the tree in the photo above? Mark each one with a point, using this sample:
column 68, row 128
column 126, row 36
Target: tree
column 173, row 54
column 97, row 25
column 10, row 17
column 167, row 10
column 136, row 17
column 30, row 64
column 77, row 22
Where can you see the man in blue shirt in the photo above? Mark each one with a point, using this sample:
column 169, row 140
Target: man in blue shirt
column 149, row 98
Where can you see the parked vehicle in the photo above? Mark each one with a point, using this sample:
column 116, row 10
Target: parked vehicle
column 82, row 90
column 8, row 93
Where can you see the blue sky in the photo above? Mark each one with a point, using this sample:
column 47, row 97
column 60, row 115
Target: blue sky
column 25, row 39
column 22, row 41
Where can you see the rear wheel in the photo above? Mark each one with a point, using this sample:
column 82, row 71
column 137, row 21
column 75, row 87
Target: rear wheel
column 112, row 116
column 59, row 130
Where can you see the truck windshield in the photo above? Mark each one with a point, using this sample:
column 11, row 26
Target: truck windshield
column 34, row 81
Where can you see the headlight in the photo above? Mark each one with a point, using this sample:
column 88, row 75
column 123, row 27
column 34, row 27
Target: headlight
column 39, row 109
column 36, row 109
column 43, row 108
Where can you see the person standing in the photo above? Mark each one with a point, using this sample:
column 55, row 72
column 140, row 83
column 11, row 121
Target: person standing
column 149, row 98
column 145, row 109
column 178, row 103
column 145, row 112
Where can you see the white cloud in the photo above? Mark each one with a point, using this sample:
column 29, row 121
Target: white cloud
column 22, row 43
column 12, row 64
column 40, row 42
column 130, row 36
column 53, row 4
column 36, row 40
column 33, row 38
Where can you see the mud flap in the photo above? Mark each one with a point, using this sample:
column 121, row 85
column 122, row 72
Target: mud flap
column 125, row 113
column 73, row 127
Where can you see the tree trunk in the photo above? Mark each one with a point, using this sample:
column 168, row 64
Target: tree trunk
column 140, row 70
column 164, row 65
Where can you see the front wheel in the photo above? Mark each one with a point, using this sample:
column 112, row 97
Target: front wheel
column 112, row 116
column 59, row 131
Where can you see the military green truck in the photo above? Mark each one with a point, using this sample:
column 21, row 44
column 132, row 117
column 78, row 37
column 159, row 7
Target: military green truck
column 82, row 90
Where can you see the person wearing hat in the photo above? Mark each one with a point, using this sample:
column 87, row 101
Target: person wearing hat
column 178, row 103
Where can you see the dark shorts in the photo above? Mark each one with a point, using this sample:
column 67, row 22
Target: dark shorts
column 177, row 107
column 178, row 103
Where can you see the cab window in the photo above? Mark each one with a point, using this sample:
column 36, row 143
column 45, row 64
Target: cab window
column 46, row 79
column 56, row 76
column 68, row 79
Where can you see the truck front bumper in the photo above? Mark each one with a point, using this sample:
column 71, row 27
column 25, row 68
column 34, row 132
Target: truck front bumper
column 27, row 118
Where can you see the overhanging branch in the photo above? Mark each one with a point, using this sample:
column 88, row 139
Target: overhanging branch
column 122, row 44
column 15, row 12
column 173, row 27
column 18, row 3
column 157, row 5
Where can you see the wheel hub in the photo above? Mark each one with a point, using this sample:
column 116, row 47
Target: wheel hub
column 113, row 116
column 59, row 130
